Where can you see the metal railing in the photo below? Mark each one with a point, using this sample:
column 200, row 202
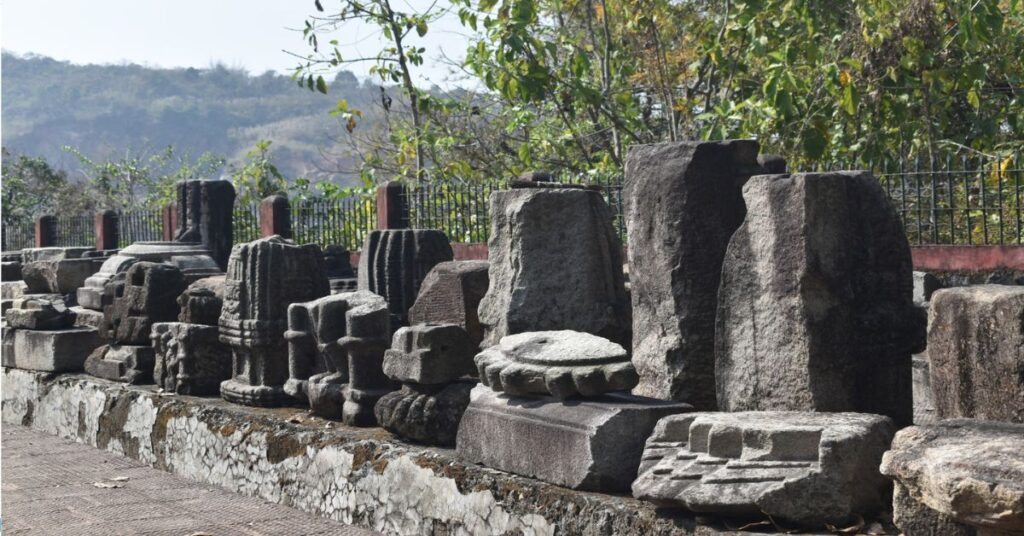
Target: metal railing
column 344, row 222
column 139, row 226
column 459, row 209
column 76, row 231
column 245, row 223
column 18, row 233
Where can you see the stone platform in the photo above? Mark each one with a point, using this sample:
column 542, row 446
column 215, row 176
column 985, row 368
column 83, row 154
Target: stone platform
column 360, row 476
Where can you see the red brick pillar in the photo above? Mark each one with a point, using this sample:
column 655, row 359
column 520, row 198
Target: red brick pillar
column 392, row 210
column 46, row 231
column 170, row 220
column 275, row 217
column 105, row 226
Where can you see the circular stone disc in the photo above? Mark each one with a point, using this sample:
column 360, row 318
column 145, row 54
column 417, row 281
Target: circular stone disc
column 561, row 349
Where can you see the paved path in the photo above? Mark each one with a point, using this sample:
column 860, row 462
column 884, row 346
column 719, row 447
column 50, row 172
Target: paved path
column 48, row 488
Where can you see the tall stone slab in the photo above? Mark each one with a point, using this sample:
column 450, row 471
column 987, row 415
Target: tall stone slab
column 394, row 263
column 976, row 352
column 683, row 201
column 815, row 306
column 264, row 277
column 205, row 216
column 555, row 264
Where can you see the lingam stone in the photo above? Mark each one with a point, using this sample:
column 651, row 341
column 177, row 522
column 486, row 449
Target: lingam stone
column 683, row 200
column 322, row 336
column 560, row 363
column 555, row 264
column 189, row 358
column 451, row 294
column 815, row 307
column 205, row 209
column 976, row 352
column 202, row 301
column 264, row 277
column 590, row 444
column 393, row 264
column 958, row 477
column 799, row 467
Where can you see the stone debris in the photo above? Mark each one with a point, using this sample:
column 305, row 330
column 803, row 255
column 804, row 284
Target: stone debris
column 976, row 352
column 683, row 201
column 128, row 363
column 801, row 467
column 592, row 444
column 202, row 301
column 264, row 277
column 815, row 307
column 451, row 294
column 335, row 355
column 41, row 314
column 189, row 358
column 394, row 263
column 957, row 477
column 560, row 363
column 555, row 263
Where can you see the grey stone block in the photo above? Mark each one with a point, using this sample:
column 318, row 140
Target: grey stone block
column 593, row 444
column 960, row 471
column 976, row 351
column 815, row 308
column 147, row 293
column 62, row 350
column 925, row 284
column 53, row 253
column 451, row 294
column 122, row 363
column 11, row 290
column 802, row 467
column 430, row 354
column 201, row 302
column 59, row 276
column 555, row 264
column 683, row 201
column 39, row 314
column 560, row 363
column 87, row 318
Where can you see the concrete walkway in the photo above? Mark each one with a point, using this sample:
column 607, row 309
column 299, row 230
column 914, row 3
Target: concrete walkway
column 56, row 486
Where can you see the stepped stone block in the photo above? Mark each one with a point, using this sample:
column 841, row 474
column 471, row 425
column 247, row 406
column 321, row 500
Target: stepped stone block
column 189, row 358
column 815, row 308
column 976, row 351
column 683, row 201
column 147, row 293
column 264, row 277
column 128, row 363
column 62, row 350
column 802, row 467
column 451, row 294
column 394, row 263
column 591, row 444
column 430, row 354
column 555, row 264
column 41, row 314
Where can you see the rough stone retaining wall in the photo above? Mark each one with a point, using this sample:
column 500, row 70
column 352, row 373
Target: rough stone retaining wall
column 364, row 477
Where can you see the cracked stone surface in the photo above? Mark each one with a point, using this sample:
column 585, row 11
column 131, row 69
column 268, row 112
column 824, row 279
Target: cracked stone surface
column 560, row 363
column 363, row 477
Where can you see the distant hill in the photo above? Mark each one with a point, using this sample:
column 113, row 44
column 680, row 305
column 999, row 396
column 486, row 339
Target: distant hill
column 104, row 110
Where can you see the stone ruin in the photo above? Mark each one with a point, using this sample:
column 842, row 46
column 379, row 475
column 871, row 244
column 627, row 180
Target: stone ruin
column 394, row 263
column 555, row 264
column 451, row 294
column 142, row 296
column 683, row 202
column 335, row 355
column 39, row 334
column 189, row 357
column 205, row 209
column 58, row 270
column 815, row 309
column 264, row 277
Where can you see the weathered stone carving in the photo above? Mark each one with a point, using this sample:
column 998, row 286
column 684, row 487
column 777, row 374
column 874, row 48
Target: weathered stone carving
column 555, row 263
column 333, row 341
column 189, row 358
column 128, row 363
column 202, row 301
column 205, row 216
column 976, row 351
column 590, row 444
column 802, row 467
column 394, row 263
column 148, row 293
column 815, row 306
column 264, row 277
column 559, row 363
column 451, row 294
column 958, row 476
column 429, row 360
column 683, row 201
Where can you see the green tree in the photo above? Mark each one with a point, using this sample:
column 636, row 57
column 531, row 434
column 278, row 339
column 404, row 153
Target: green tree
column 32, row 187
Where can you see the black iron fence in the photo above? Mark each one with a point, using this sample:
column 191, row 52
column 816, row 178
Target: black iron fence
column 76, row 231
column 139, row 226
column 18, row 233
column 459, row 209
column 344, row 221
column 245, row 223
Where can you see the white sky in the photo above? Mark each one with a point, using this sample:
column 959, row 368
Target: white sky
column 196, row 33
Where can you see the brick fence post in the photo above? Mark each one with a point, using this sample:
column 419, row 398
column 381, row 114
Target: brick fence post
column 392, row 210
column 275, row 217
column 46, row 231
column 170, row 221
column 105, row 226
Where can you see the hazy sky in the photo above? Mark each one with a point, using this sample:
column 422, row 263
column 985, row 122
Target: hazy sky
column 196, row 33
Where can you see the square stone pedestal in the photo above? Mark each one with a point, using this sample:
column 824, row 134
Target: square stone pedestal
column 588, row 444
column 62, row 350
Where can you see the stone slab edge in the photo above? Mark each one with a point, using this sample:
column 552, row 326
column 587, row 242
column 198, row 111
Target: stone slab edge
column 363, row 477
